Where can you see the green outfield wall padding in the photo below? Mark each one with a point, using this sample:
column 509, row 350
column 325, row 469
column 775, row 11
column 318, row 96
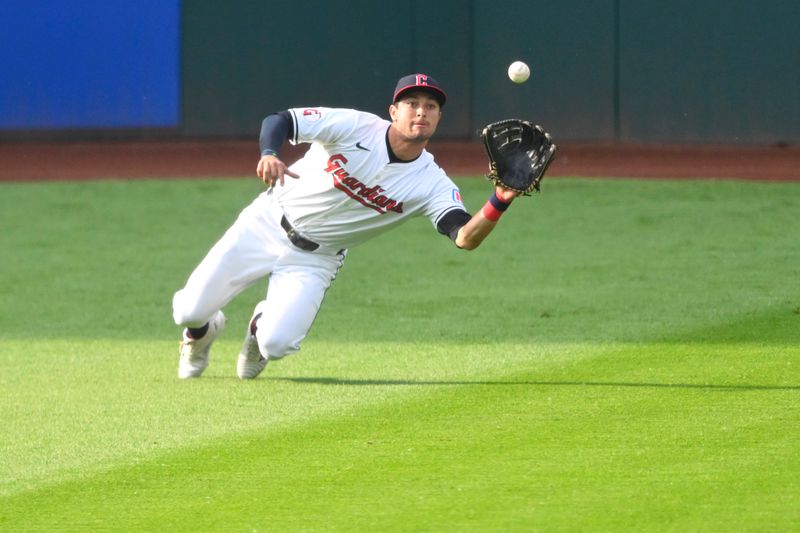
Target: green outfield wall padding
column 603, row 70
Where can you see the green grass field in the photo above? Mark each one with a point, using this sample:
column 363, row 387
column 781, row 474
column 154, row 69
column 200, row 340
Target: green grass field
column 620, row 355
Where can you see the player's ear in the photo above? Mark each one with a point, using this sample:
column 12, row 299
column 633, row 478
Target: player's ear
column 392, row 112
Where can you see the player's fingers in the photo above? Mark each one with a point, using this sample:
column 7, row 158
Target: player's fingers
column 267, row 174
column 281, row 171
column 268, row 179
column 274, row 172
column 266, row 167
column 264, row 173
column 505, row 195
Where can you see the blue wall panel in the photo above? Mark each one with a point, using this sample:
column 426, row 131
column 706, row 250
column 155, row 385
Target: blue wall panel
column 89, row 64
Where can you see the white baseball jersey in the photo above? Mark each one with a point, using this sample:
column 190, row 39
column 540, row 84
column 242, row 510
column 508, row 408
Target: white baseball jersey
column 349, row 190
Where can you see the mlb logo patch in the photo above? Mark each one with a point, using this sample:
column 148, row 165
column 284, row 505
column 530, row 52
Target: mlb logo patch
column 311, row 114
column 457, row 196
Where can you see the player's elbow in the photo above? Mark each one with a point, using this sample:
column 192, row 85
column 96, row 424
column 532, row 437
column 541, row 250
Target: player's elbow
column 466, row 243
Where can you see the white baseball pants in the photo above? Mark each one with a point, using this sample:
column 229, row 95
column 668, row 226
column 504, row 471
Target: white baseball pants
column 256, row 246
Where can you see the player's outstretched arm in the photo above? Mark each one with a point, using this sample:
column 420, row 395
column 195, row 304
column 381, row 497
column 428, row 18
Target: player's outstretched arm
column 472, row 234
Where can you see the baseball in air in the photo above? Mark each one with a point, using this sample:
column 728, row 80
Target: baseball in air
column 519, row 72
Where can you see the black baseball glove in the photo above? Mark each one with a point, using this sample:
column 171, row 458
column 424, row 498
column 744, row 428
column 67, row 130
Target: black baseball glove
column 519, row 154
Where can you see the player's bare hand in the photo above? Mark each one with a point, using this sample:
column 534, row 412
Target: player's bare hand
column 505, row 195
column 272, row 170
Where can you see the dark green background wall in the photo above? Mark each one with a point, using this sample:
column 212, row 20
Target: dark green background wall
column 647, row 71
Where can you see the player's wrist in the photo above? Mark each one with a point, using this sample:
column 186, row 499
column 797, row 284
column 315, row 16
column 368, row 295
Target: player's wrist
column 505, row 195
column 494, row 208
column 501, row 204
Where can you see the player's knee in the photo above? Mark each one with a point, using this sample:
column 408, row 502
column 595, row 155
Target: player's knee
column 275, row 344
column 186, row 313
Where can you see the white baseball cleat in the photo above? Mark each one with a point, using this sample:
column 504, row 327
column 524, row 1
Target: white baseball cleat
column 251, row 362
column 195, row 352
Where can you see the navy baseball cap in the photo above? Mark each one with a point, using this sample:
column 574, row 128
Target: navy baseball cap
column 419, row 82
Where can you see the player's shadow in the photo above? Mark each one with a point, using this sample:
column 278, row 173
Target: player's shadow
column 415, row 383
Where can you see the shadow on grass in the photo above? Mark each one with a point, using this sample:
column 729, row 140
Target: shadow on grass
column 413, row 383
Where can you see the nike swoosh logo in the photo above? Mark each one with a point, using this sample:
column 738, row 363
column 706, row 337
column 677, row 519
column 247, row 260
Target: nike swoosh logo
column 358, row 145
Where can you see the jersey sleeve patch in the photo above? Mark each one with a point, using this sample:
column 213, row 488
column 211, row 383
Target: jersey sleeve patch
column 311, row 114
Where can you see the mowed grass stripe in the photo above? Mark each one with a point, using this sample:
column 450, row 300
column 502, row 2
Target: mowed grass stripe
column 115, row 401
column 532, row 448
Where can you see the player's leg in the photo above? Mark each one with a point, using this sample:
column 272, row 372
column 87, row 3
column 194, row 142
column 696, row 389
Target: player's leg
column 297, row 287
column 243, row 255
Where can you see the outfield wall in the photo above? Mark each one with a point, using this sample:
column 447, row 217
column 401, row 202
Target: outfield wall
column 603, row 70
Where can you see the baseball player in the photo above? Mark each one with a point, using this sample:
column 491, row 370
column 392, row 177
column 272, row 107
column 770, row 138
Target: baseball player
column 361, row 176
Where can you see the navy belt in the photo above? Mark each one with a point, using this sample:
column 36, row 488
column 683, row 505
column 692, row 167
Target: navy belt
column 296, row 238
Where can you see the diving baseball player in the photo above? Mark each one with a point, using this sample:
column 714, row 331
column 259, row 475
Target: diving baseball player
column 361, row 176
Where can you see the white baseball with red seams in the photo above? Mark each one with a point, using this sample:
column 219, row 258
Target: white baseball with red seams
column 519, row 72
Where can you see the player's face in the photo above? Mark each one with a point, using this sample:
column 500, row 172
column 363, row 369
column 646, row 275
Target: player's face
column 416, row 116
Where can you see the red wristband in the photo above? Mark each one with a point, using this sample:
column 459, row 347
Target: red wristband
column 490, row 212
column 495, row 208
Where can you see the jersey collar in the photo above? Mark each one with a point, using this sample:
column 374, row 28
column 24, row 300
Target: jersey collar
column 392, row 156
